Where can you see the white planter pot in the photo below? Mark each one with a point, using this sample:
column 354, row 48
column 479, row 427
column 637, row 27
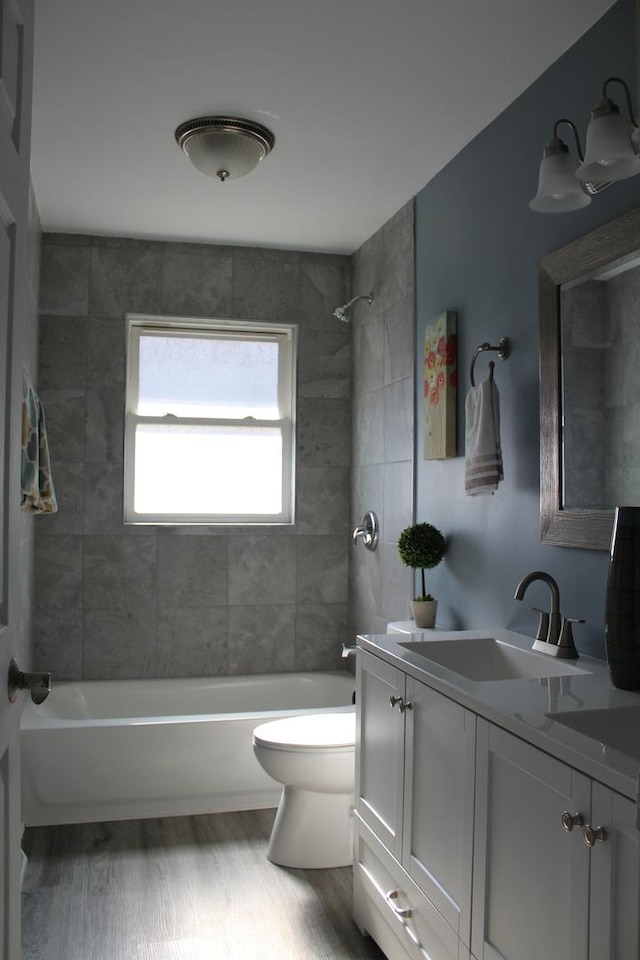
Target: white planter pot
column 424, row 613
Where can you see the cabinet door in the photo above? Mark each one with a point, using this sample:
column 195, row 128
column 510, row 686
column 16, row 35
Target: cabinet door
column 380, row 749
column 530, row 877
column 614, row 925
column 437, row 847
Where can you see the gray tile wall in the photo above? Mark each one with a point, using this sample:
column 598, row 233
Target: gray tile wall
column 383, row 421
column 116, row 601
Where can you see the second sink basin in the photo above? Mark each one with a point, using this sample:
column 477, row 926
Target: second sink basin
column 485, row 658
column 614, row 727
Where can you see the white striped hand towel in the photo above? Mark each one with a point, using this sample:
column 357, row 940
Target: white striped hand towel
column 483, row 454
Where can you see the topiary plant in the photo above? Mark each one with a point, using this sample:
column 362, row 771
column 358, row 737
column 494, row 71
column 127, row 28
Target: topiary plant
column 422, row 547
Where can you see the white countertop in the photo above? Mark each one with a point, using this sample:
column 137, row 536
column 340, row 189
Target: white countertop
column 521, row 706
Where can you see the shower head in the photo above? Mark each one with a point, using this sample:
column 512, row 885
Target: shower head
column 341, row 312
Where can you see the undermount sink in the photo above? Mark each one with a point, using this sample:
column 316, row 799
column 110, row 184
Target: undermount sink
column 614, row 727
column 485, row 658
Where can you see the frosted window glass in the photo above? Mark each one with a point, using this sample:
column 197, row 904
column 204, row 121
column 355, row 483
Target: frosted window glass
column 208, row 377
column 208, row 469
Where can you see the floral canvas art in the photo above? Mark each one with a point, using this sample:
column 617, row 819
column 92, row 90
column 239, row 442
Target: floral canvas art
column 440, row 382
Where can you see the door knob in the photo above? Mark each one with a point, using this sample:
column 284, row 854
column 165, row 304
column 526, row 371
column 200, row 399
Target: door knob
column 38, row 683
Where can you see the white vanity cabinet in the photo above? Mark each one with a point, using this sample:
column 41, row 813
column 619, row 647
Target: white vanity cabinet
column 414, row 805
column 538, row 889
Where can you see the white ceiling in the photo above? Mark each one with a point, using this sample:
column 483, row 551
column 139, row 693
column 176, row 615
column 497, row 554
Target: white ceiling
column 368, row 100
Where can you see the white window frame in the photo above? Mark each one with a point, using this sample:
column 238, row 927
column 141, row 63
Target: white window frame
column 283, row 334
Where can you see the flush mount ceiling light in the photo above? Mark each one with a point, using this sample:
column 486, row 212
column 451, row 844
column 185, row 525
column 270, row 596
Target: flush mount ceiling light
column 611, row 154
column 224, row 147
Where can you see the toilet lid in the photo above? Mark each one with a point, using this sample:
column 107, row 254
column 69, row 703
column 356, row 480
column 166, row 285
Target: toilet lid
column 314, row 731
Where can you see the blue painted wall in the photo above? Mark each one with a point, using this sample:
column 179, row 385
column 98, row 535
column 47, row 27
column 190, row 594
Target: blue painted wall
column 477, row 251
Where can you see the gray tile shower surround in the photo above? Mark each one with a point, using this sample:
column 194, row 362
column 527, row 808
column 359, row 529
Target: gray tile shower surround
column 383, row 415
column 115, row 601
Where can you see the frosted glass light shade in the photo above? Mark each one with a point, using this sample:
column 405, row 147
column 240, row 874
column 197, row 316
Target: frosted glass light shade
column 609, row 153
column 224, row 147
column 558, row 189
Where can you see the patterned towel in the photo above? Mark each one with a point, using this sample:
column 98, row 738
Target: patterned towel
column 483, row 454
column 37, row 493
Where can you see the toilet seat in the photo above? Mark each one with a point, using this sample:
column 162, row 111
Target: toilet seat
column 309, row 733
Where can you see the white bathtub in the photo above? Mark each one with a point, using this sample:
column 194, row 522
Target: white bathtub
column 114, row 750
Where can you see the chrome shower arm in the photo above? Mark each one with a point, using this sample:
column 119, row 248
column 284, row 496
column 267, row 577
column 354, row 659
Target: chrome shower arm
column 363, row 296
column 340, row 312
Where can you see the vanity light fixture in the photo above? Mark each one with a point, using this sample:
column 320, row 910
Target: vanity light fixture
column 611, row 154
column 224, row 147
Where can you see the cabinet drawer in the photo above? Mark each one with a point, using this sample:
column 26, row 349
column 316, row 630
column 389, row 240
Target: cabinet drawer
column 379, row 881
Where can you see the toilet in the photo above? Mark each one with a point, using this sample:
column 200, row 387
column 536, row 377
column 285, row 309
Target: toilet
column 313, row 757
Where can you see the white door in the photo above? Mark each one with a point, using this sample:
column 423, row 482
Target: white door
column 16, row 44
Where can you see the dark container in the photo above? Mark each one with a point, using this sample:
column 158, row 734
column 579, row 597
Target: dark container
column 622, row 620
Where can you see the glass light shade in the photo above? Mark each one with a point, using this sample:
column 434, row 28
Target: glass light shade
column 609, row 153
column 224, row 147
column 558, row 189
column 215, row 151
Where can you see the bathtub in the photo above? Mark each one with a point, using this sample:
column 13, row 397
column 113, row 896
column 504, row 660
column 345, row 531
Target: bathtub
column 120, row 750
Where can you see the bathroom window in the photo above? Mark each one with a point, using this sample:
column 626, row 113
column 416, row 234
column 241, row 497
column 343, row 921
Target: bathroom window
column 209, row 421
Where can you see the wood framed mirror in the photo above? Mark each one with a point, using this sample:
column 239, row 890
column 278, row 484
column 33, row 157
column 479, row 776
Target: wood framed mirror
column 589, row 379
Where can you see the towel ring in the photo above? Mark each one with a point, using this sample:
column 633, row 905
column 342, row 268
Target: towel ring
column 502, row 349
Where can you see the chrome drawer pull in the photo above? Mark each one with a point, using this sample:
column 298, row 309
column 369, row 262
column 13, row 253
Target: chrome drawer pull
column 394, row 701
column 404, row 913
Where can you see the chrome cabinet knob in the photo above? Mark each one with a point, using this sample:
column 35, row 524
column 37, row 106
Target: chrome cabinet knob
column 571, row 820
column 401, row 704
column 591, row 834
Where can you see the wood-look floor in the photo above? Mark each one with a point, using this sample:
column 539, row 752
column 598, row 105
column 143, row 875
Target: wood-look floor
column 181, row 888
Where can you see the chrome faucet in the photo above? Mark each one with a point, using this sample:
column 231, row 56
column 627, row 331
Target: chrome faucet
column 552, row 621
column 368, row 530
column 554, row 634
